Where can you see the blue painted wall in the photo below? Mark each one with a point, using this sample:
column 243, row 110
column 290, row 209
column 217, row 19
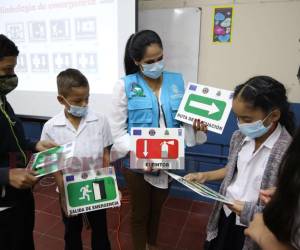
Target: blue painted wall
column 209, row 156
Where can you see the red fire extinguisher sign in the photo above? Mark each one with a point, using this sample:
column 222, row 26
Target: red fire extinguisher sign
column 157, row 148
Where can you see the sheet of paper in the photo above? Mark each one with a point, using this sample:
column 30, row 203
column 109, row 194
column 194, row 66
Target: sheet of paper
column 160, row 181
column 200, row 189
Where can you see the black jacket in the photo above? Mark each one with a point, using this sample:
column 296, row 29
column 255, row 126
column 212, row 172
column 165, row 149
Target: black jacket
column 12, row 138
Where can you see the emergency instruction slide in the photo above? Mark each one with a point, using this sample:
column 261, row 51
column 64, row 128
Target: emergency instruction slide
column 54, row 35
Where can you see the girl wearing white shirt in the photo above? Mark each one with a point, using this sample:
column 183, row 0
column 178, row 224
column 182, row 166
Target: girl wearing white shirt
column 265, row 123
column 147, row 96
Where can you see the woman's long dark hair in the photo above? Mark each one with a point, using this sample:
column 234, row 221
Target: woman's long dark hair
column 136, row 47
column 266, row 93
column 282, row 211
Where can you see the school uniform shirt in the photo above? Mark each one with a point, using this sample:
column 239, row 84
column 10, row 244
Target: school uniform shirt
column 121, row 137
column 91, row 137
column 250, row 169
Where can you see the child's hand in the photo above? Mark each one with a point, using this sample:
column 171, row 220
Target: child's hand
column 63, row 205
column 106, row 157
column 120, row 195
column 266, row 195
column 63, row 202
column 261, row 234
column 199, row 125
column 237, row 207
column 62, row 197
column 199, row 177
column 22, row 178
column 44, row 145
column 256, row 228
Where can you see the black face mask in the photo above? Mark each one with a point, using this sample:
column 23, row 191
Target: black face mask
column 7, row 84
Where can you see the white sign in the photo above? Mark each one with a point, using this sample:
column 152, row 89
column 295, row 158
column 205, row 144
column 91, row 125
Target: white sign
column 157, row 148
column 91, row 190
column 209, row 104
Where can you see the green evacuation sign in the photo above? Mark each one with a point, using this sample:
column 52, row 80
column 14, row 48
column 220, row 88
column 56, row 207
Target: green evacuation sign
column 51, row 160
column 91, row 192
column 205, row 107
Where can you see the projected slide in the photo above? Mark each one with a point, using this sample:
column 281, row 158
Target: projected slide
column 58, row 34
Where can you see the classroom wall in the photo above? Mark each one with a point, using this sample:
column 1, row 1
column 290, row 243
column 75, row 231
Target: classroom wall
column 265, row 40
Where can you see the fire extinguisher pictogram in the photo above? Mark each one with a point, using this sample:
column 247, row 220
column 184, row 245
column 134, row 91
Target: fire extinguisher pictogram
column 165, row 149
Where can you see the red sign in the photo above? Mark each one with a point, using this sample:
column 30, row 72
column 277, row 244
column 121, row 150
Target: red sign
column 157, row 148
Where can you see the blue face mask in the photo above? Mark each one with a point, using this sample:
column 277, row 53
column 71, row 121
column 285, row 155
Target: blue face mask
column 254, row 129
column 77, row 111
column 153, row 70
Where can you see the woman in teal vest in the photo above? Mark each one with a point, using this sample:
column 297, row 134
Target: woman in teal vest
column 147, row 96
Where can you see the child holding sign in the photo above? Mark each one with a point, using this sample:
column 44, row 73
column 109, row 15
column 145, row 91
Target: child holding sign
column 265, row 123
column 92, row 136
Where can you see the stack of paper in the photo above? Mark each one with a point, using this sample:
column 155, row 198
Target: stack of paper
column 201, row 189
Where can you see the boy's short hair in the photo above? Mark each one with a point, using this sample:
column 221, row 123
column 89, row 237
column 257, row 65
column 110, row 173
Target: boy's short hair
column 68, row 79
column 7, row 47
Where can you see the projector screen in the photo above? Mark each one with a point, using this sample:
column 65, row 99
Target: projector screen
column 52, row 35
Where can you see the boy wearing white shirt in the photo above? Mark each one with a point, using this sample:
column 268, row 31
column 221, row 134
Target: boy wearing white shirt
column 92, row 136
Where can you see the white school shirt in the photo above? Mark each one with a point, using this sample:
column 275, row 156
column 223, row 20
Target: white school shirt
column 3, row 187
column 121, row 137
column 91, row 137
column 250, row 169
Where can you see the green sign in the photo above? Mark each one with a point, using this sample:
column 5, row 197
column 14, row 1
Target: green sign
column 91, row 192
column 51, row 160
column 205, row 107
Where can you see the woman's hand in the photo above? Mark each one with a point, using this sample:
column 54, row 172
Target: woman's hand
column 199, row 125
column 151, row 170
column 199, row 177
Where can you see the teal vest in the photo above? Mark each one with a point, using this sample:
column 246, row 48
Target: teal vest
column 143, row 105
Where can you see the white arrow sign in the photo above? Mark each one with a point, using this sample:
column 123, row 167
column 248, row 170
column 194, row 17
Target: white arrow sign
column 145, row 148
column 210, row 108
